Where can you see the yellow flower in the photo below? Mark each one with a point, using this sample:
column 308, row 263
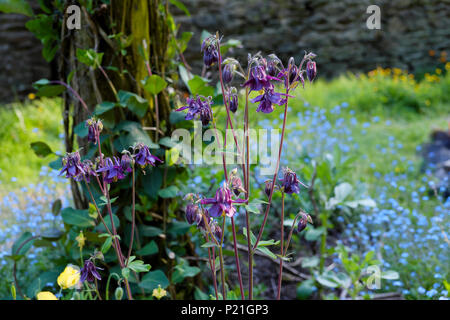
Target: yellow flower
column 46, row 295
column 81, row 239
column 31, row 96
column 447, row 66
column 159, row 292
column 69, row 277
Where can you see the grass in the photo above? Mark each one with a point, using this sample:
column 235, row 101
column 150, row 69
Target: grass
column 22, row 124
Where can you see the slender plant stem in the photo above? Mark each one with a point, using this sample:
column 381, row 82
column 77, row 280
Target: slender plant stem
column 222, row 266
column 236, row 255
column 133, row 214
column 213, row 268
column 73, row 92
column 282, row 245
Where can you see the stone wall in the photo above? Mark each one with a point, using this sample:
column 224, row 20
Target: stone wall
column 334, row 29
column 21, row 61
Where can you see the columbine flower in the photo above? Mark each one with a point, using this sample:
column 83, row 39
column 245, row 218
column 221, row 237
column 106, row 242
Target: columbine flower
column 228, row 73
column 272, row 67
column 192, row 212
column 216, row 230
column 258, row 79
column 94, row 129
column 113, row 170
column 236, row 185
column 303, row 222
column 69, row 278
column 268, row 99
column 268, row 187
column 200, row 107
column 290, row 181
column 72, row 165
column 233, row 101
column 159, row 292
column 46, row 295
column 144, row 157
column 126, row 162
column 89, row 170
column 210, row 53
column 89, row 272
column 222, row 203
column 311, row 70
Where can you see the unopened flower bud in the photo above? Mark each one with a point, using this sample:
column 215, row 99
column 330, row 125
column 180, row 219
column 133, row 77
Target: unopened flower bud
column 118, row 293
column 236, row 185
column 268, row 188
column 234, row 102
column 228, row 73
column 303, row 222
column 311, row 70
column 191, row 213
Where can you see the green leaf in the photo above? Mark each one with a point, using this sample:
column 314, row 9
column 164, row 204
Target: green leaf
column 126, row 273
column 149, row 249
column 41, row 149
column 50, row 91
column 209, row 245
column 267, row 252
column 104, row 107
column 342, row 191
column 133, row 102
column 101, row 227
column 106, row 245
column 52, row 234
column 265, row 243
column 56, row 207
column 180, row 6
column 79, row 218
column 134, row 134
column 305, row 289
column 198, row 85
column 252, row 236
column 138, row 265
column 183, row 270
column 16, row 6
column 150, row 231
column 154, row 84
column 310, row 262
column 178, row 228
column 81, row 130
column 313, row 234
column 169, row 192
column 89, row 57
column 327, row 281
column 25, row 242
column 152, row 279
column 40, row 282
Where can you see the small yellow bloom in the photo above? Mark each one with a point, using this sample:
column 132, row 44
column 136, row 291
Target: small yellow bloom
column 81, row 239
column 438, row 71
column 46, row 295
column 69, row 278
column 159, row 292
column 447, row 66
column 31, row 96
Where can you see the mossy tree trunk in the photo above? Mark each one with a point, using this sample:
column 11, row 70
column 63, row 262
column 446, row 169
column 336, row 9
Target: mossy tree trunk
column 134, row 22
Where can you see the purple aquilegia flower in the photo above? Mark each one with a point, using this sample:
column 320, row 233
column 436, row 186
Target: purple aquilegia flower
column 89, row 272
column 94, row 129
column 216, row 230
column 192, row 212
column 113, row 170
column 143, row 157
column 199, row 107
column 210, row 53
column 228, row 73
column 290, row 181
column 89, row 170
column 222, row 203
column 126, row 163
column 72, row 165
column 272, row 68
column 303, row 222
column 311, row 70
column 233, row 101
column 258, row 79
column 268, row 99
column 236, row 186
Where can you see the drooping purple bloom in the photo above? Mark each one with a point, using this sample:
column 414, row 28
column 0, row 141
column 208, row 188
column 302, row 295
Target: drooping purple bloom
column 199, row 107
column 228, row 73
column 113, row 170
column 210, row 53
column 89, row 170
column 94, row 129
column 258, row 79
column 311, row 70
column 290, row 182
column 192, row 211
column 216, row 231
column 303, row 222
column 236, row 185
column 89, row 272
column 268, row 188
column 268, row 99
column 272, row 68
column 234, row 102
column 222, row 203
column 126, row 162
column 72, row 165
column 143, row 157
